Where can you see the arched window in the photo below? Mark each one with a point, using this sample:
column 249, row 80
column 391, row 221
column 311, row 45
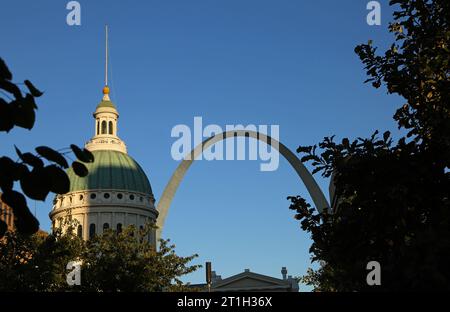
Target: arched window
column 80, row 231
column 91, row 230
column 110, row 130
column 104, row 127
column 105, row 226
column 98, row 127
column 119, row 228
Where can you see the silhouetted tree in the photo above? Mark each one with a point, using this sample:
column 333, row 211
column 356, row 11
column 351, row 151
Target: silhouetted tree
column 391, row 200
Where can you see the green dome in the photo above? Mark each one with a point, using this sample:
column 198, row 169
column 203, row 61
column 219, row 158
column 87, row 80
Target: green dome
column 111, row 170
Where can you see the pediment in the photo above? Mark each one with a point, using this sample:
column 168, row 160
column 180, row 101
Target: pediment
column 250, row 280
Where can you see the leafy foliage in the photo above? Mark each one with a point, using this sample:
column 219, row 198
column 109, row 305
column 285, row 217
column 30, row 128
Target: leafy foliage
column 37, row 179
column 129, row 263
column 37, row 262
column 110, row 262
column 391, row 200
column 417, row 67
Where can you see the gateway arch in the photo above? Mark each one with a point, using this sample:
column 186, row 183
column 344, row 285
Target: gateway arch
column 169, row 192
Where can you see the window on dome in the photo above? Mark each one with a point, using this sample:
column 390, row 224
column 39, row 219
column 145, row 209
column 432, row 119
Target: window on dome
column 93, row 196
column 80, row 231
column 110, row 127
column 119, row 228
column 81, row 197
column 91, row 230
column 119, row 196
column 103, row 127
column 106, row 195
column 98, row 127
column 132, row 197
column 105, row 226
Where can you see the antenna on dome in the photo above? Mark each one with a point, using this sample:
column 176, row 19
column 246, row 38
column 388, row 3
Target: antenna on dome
column 106, row 88
column 106, row 55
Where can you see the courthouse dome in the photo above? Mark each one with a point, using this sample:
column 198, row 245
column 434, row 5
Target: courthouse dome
column 111, row 170
column 116, row 192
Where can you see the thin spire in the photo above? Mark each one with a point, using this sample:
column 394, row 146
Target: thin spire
column 106, row 88
column 106, row 52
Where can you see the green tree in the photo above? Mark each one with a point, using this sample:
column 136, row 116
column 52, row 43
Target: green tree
column 128, row 262
column 391, row 200
column 109, row 262
column 37, row 179
column 37, row 262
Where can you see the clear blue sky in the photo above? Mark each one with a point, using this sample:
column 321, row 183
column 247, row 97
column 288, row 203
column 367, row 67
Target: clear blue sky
column 288, row 63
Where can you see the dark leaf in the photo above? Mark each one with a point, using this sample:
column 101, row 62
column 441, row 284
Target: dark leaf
column 79, row 169
column 82, row 154
column 20, row 171
column 32, row 160
column 6, row 116
column 60, row 183
column 23, row 112
column 36, row 184
column 4, row 71
column 30, row 100
column 52, row 155
column 317, row 169
column 34, row 92
column 25, row 223
column 16, row 201
column 10, row 87
column 304, row 149
column 7, row 170
column 309, row 157
column 18, row 152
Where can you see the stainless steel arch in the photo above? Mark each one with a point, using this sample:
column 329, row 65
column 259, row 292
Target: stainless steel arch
column 169, row 192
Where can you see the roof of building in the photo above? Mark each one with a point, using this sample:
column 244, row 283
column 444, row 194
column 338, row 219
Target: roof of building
column 104, row 103
column 111, row 170
column 250, row 281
